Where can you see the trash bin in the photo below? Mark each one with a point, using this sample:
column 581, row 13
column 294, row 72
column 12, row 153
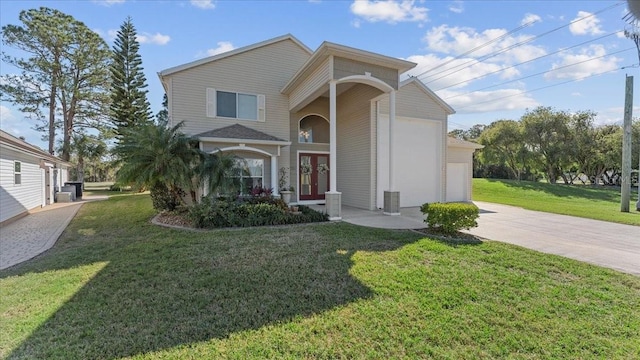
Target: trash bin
column 78, row 185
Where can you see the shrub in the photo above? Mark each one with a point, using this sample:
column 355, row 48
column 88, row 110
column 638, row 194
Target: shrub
column 163, row 199
column 450, row 217
column 252, row 211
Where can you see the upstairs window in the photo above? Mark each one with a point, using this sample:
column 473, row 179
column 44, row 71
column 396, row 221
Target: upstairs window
column 17, row 173
column 235, row 105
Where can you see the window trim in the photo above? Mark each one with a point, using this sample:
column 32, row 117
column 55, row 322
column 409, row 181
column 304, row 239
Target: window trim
column 240, row 160
column 17, row 174
column 299, row 129
column 212, row 110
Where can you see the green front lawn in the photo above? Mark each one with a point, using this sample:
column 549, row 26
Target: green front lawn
column 116, row 286
column 599, row 203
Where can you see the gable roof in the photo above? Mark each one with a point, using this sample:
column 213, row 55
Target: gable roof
column 21, row 145
column 459, row 143
column 240, row 133
column 429, row 92
column 227, row 54
column 328, row 48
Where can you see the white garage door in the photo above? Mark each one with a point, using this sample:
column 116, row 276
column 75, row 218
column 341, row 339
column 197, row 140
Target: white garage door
column 457, row 182
column 417, row 157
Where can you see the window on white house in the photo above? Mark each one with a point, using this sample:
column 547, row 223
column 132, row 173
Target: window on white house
column 252, row 174
column 17, row 173
column 235, row 105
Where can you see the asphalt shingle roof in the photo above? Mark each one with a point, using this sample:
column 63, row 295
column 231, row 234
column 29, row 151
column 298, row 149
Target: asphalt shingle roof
column 238, row 131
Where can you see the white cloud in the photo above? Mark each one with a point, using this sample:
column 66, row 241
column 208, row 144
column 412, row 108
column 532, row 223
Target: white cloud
column 108, row 2
column 157, row 38
column 589, row 25
column 457, row 73
column 586, row 67
column 5, row 114
column 457, row 6
column 530, row 18
column 223, row 46
column 390, row 11
column 203, row 4
column 112, row 34
column 487, row 101
column 459, row 40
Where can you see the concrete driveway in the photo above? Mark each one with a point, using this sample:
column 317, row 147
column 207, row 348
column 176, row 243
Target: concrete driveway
column 607, row 244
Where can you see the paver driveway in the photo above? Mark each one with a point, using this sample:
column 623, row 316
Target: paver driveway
column 607, row 244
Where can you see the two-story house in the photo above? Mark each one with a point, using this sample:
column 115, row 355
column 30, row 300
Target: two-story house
column 338, row 119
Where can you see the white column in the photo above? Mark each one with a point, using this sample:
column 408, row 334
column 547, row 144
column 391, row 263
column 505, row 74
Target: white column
column 392, row 122
column 332, row 137
column 274, row 175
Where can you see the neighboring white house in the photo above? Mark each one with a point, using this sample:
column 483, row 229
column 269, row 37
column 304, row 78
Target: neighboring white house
column 29, row 177
column 338, row 118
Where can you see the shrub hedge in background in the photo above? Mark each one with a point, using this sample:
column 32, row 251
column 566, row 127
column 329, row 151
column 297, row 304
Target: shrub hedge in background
column 450, row 217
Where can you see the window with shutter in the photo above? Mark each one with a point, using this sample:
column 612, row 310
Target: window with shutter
column 235, row 105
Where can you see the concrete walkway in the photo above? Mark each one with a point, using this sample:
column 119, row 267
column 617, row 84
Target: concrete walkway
column 36, row 233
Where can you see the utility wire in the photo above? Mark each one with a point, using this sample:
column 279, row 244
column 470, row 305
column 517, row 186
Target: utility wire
column 479, row 47
column 549, row 86
column 540, row 73
column 528, row 61
column 511, row 46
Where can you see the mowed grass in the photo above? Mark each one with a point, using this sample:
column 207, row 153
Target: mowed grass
column 116, row 286
column 585, row 201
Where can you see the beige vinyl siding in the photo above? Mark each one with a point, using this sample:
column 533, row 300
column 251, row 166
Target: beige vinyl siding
column 354, row 142
column 411, row 101
column 264, row 70
column 17, row 199
column 459, row 155
column 316, row 83
column 346, row 67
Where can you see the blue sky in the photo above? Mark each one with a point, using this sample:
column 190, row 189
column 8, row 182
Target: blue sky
column 488, row 59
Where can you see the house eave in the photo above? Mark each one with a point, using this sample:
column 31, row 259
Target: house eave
column 20, row 145
column 457, row 143
column 242, row 141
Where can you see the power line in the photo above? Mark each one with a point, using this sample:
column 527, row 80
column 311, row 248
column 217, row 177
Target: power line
column 511, row 46
column 540, row 73
column 512, row 31
column 528, row 61
column 549, row 86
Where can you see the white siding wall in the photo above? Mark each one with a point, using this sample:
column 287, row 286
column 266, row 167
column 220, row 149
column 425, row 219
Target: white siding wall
column 354, row 146
column 16, row 199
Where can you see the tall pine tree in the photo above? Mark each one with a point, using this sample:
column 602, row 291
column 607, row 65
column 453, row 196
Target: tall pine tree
column 129, row 104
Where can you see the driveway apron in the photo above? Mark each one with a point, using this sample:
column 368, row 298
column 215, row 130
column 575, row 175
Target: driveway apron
column 607, row 244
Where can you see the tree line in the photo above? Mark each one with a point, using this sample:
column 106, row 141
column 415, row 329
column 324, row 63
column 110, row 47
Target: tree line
column 557, row 145
column 81, row 94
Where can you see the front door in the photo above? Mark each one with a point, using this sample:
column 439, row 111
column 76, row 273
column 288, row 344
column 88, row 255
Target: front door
column 313, row 170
